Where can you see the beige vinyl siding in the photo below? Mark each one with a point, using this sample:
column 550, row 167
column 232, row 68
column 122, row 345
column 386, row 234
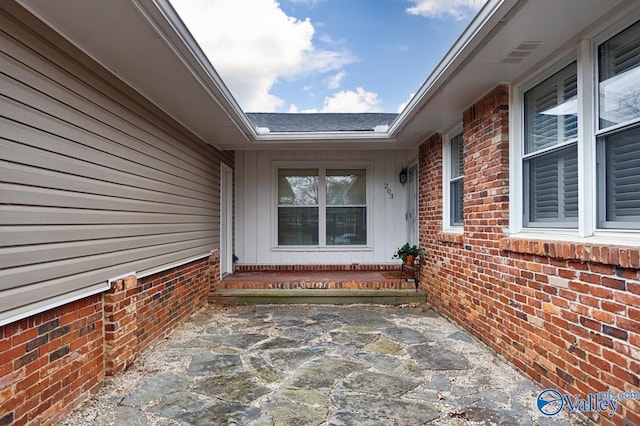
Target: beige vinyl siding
column 95, row 181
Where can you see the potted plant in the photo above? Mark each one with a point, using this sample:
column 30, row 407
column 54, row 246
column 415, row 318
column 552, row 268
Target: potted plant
column 407, row 253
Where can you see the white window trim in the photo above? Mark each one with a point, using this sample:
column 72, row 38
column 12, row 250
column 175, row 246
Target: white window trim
column 585, row 53
column 321, row 247
column 446, row 180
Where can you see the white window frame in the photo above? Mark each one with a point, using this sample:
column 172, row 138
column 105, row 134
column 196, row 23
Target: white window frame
column 322, row 166
column 585, row 53
column 446, row 180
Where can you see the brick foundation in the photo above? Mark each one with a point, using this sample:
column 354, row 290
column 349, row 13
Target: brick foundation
column 341, row 267
column 565, row 314
column 52, row 361
column 138, row 312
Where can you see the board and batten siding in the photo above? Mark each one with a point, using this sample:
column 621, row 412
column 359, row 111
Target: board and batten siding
column 95, row 182
column 256, row 223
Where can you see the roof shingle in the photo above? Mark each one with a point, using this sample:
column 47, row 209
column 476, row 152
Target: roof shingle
column 321, row 122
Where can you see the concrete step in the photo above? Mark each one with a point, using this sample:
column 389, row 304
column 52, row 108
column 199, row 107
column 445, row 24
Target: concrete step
column 316, row 296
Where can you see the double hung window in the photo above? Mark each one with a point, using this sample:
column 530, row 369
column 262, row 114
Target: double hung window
column 456, row 184
column 550, row 161
column 618, row 134
column 565, row 148
column 322, row 207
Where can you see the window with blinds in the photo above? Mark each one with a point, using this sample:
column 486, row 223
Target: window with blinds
column 618, row 145
column 318, row 207
column 298, row 207
column 550, row 161
column 456, row 184
column 346, row 214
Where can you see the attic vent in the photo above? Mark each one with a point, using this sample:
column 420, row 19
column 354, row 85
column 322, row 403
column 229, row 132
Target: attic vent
column 522, row 51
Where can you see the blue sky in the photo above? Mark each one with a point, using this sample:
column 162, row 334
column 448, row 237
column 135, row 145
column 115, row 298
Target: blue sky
column 325, row 55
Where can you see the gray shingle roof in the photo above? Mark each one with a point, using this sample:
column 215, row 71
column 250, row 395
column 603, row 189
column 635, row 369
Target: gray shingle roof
column 321, row 122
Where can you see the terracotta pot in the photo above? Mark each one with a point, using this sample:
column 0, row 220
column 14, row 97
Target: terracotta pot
column 410, row 259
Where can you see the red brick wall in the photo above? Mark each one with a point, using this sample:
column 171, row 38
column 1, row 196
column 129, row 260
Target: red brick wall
column 139, row 312
column 568, row 315
column 336, row 267
column 50, row 362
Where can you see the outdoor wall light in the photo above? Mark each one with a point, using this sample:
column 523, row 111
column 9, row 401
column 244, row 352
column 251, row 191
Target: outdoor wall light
column 403, row 176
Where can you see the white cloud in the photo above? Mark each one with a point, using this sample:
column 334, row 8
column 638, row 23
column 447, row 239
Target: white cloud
column 311, row 3
column 458, row 9
column 346, row 101
column 334, row 81
column 403, row 105
column 350, row 101
column 293, row 109
column 253, row 43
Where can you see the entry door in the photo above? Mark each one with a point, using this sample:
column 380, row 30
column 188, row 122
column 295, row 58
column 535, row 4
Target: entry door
column 412, row 208
column 226, row 220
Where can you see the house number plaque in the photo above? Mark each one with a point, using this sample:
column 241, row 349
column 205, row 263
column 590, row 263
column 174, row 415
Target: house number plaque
column 389, row 191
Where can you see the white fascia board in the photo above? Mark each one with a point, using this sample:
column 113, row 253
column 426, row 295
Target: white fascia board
column 176, row 35
column 485, row 21
column 316, row 136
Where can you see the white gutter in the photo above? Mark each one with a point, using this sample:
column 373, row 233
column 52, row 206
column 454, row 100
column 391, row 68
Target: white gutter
column 485, row 21
column 264, row 136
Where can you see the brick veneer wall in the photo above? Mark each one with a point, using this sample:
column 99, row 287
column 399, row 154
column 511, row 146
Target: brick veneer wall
column 321, row 267
column 138, row 312
column 566, row 314
column 52, row 361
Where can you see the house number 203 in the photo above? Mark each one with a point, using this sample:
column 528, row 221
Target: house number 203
column 389, row 191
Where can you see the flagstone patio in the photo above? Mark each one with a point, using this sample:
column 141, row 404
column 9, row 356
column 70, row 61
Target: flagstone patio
column 317, row 365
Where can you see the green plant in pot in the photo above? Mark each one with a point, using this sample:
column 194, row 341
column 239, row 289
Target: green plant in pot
column 407, row 253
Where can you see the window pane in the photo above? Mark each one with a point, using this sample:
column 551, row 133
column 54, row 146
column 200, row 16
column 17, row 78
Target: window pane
column 456, row 194
column 619, row 74
column 298, row 186
column 457, row 158
column 346, row 187
column 346, row 226
column 551, row 110
column 622, row 178
column 551, row 186
column 297, row 226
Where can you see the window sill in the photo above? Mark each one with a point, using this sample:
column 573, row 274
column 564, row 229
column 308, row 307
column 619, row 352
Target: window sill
column 621, row 251
column 450, row 236
column 321, row 249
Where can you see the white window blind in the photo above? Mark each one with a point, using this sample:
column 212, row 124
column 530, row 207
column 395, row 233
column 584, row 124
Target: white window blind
column 619, row 78
column 550, row 162
column 456, row 185
column 622, row 177
column 618, row 148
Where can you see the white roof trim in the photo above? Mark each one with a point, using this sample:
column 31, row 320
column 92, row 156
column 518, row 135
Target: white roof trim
column 171, row 17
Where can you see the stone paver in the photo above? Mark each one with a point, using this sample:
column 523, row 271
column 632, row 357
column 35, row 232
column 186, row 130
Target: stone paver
column 317, row 365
